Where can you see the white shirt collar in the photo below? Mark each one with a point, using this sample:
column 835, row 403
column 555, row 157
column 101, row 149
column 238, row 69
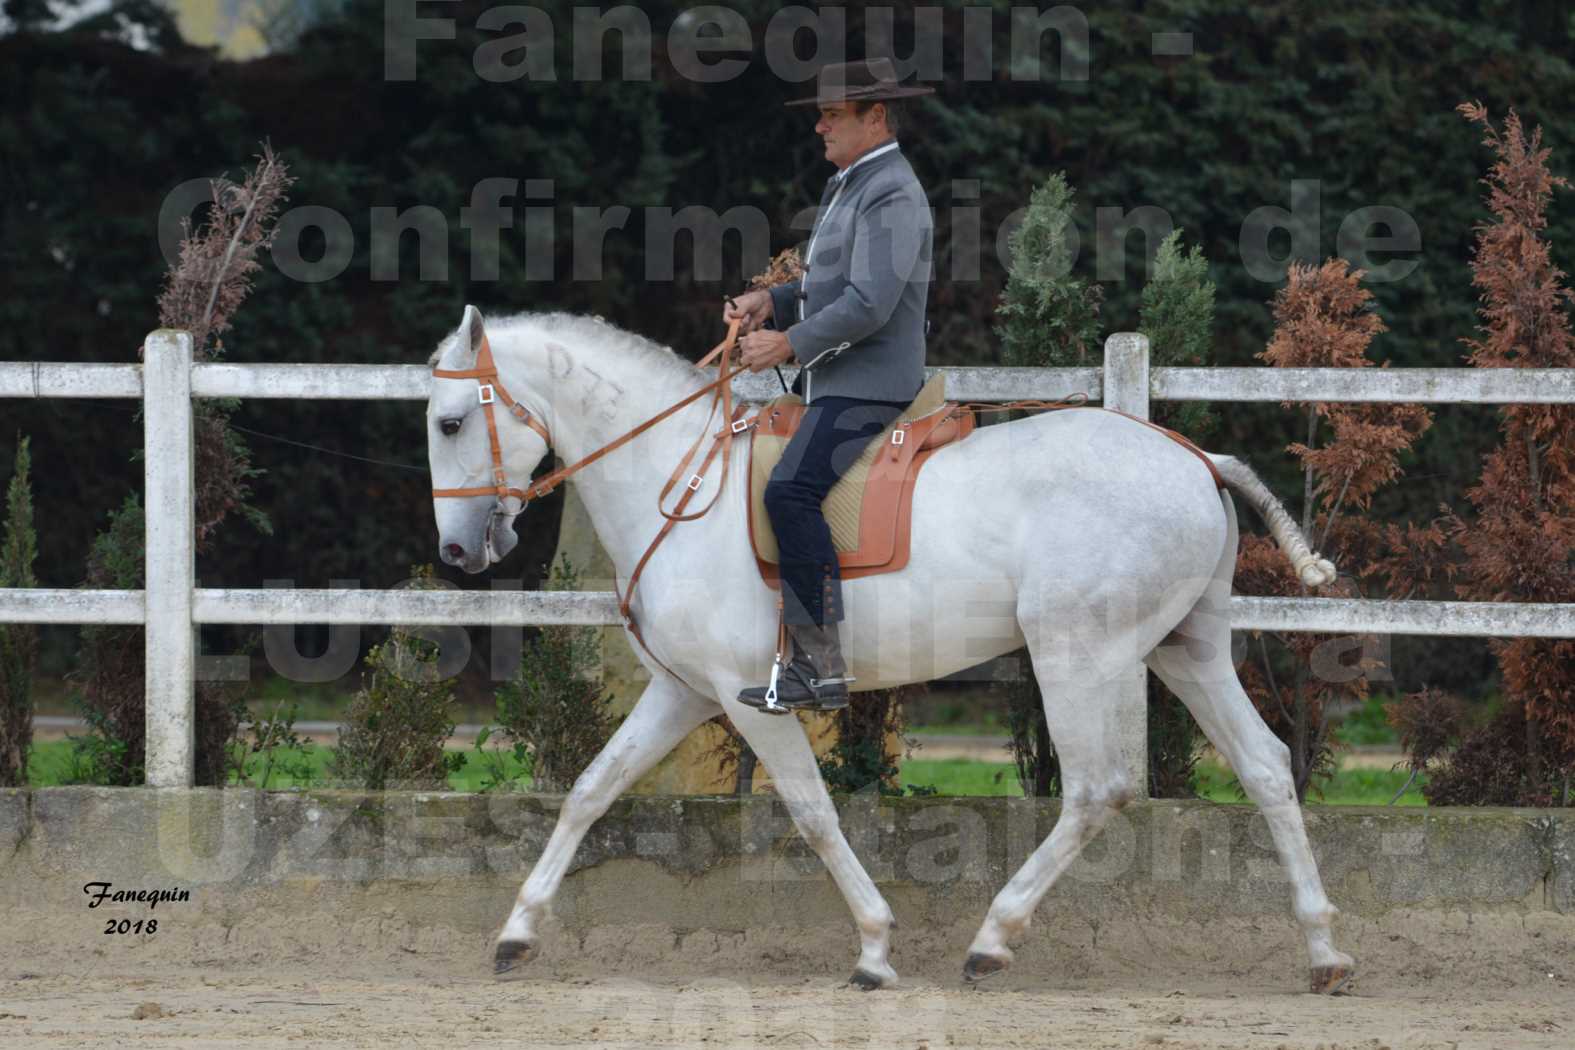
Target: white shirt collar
column 871, row 155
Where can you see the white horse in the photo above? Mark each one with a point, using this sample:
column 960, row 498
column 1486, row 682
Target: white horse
column 1093, row 539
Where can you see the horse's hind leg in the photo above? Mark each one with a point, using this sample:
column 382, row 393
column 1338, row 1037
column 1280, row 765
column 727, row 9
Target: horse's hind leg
column 666, row 713
column 1095, row 784
column 784, row 750
column 1195, row 663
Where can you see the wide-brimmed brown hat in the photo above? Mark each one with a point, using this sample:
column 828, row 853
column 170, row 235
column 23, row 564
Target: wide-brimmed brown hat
column 870, row 81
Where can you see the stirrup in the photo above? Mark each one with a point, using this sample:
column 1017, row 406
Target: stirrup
column 771, row 707
column 804, row 693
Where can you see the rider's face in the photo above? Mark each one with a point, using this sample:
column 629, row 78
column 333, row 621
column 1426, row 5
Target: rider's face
column 847, row 134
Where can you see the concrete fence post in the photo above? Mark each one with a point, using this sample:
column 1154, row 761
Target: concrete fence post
column 1126, row 386
column 169, row 506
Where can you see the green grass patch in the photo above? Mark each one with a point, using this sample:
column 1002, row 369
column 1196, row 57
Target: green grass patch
column 1368, row 726
column 1348, row 787
column 961, row 776
column 50, row 765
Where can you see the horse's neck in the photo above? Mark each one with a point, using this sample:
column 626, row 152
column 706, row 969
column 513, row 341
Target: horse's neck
column 598, row 396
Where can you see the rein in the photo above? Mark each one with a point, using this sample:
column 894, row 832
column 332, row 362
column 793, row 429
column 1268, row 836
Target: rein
column 490, row 391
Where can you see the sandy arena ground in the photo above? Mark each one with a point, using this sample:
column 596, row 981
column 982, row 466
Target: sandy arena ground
column 423, row 1000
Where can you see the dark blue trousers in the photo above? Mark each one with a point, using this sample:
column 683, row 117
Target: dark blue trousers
column 835, row 432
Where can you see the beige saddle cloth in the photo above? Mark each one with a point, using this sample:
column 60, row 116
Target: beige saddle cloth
column 870, row 508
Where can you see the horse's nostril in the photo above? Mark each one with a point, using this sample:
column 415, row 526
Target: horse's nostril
column 455, row 551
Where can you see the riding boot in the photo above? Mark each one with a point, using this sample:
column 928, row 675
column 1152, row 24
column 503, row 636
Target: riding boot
column 816, row 679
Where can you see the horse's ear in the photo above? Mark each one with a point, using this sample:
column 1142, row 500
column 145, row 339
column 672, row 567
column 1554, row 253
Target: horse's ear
column 471, row 330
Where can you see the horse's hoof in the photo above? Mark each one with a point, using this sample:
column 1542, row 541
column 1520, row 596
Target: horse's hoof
column 865, row 981
column 1331, row 980
column 980, row 966
column 511, row 955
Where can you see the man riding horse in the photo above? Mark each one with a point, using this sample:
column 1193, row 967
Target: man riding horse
column 855, row 324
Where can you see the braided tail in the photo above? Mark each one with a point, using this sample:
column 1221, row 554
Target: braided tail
column 1314, row 570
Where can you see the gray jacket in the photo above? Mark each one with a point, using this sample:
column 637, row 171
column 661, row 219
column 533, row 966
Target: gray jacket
column 861, row 330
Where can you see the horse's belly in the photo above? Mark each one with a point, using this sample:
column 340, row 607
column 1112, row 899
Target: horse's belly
column 955, row 604
column 908, row 627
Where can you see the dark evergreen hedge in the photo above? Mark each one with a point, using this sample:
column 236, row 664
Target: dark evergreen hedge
column 1357, row 96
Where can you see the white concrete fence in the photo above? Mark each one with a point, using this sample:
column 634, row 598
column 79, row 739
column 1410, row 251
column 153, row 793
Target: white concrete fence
column 172, row 606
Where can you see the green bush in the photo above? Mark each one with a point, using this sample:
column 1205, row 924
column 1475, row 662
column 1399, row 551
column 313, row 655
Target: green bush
column 860, row 758
column 1047, row 316
column 271, row 748
column 109, row 677
column 1177, row 316
column 400, row 719
column 18, row 642
column 555, row 712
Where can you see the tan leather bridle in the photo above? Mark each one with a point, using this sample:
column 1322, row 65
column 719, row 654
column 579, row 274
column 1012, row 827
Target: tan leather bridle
column 490, row 392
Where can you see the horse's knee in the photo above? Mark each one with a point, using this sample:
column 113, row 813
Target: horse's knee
column 585, row 801
column 818, row 828
column 817, row 832
column 1096, row 801
column 1266, row 772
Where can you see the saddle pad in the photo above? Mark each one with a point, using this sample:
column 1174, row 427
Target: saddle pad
column 868, row 510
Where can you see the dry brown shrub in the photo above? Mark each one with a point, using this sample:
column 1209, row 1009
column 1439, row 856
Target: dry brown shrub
column 1323, row 319
column 1520, row 546
column 202, row 293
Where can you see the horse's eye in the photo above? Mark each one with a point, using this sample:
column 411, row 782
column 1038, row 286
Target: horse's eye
column 450, row 427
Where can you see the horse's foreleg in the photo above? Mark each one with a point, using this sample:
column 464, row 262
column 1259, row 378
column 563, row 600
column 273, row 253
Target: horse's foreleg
column 1095, row 784
column 665, row 714
column 782, row 747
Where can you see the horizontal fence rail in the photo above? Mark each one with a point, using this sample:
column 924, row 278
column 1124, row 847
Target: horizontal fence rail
column 168, row 381
column 46, row 605
column 1367, row 616
column 513, row 608
column 1484, row 386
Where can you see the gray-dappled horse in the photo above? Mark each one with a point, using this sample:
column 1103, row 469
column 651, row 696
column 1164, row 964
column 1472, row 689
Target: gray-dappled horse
column 1095, row 540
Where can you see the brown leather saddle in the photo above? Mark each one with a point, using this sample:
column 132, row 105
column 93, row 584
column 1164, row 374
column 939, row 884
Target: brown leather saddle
column 870, row 511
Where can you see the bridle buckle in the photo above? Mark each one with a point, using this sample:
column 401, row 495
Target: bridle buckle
column 485, row 394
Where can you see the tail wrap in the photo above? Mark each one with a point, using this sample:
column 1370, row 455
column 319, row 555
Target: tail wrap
column 1313, row 569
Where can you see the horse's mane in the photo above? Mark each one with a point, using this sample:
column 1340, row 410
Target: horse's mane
column 579, row 328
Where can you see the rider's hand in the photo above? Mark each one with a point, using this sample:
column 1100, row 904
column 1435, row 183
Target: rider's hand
column 753, row 310
column 762, row 350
